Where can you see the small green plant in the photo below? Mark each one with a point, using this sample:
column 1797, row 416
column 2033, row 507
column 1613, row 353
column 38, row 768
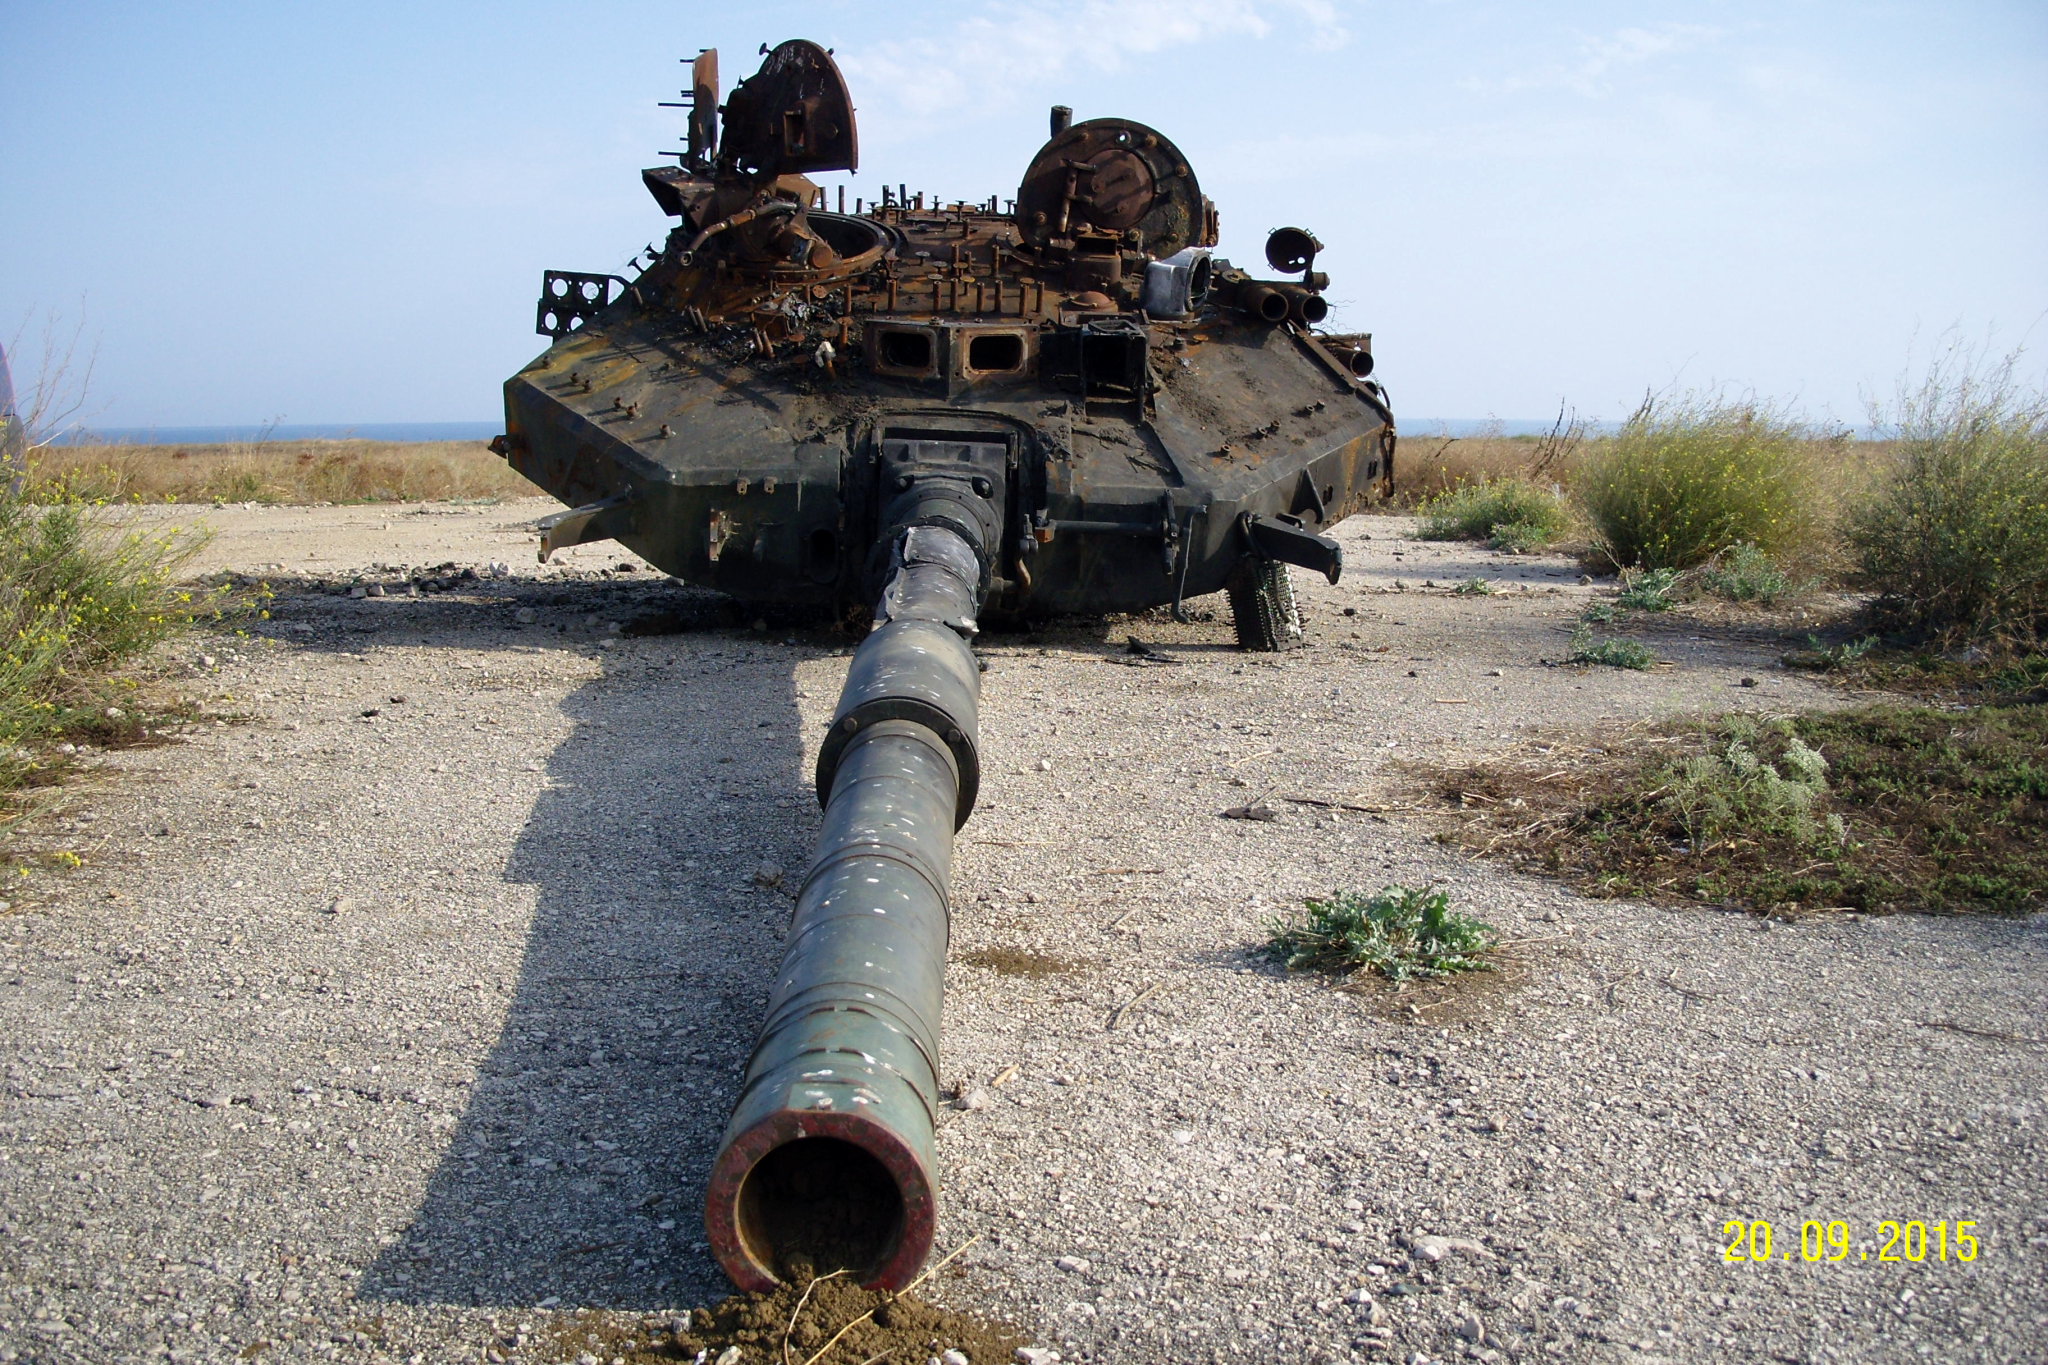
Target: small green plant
column 1730, row 790
column 235, row 485
column 1611, row 652
column 1955, row 540
column 1648, row 589
column 1598, row 614
column 1743, row 573
column 1686, row 478
column 1400, row 933
column 1508, row 512
column 1519, row 537
column 1475, row 587
column 1821, row 657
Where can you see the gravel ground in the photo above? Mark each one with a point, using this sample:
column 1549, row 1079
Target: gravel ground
column 389, row 1029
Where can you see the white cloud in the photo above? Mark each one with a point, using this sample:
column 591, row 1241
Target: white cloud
column 1601, row 59
column 992, row 58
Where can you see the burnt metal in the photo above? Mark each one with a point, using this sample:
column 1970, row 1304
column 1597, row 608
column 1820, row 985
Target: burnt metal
column 1290, row 249
column 934, row 414
column 1284, row 539
column 570, row 298
column 606, row 519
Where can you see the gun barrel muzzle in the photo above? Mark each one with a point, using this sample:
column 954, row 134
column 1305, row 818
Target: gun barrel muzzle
column 828, row 1156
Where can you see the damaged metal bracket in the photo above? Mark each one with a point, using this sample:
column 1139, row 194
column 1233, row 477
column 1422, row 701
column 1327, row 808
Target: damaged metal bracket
column 606, row 520
column 570, row 298
column 1285, row 539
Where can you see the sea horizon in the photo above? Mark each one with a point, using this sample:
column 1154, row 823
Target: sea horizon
column 407, row 432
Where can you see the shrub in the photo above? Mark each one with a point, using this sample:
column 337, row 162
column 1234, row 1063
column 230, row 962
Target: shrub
column 78, row 596
column 1507, row 511
column 1730, row 789
column 1648, row 589
column 1743, row 573
column 1401, row 932
column 1685, row 479
column 1955, row 540
column 1611, row 652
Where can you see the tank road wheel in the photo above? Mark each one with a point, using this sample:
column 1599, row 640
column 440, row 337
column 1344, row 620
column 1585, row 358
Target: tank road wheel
column 1262, row 606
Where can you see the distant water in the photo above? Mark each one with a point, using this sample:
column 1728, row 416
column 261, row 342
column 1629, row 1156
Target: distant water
column 213, row 436
column 484, row 431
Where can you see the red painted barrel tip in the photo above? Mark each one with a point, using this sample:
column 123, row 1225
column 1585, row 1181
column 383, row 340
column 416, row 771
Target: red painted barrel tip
column 839, row 1191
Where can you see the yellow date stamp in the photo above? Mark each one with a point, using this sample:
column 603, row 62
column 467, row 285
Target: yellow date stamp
column 1912, row 1240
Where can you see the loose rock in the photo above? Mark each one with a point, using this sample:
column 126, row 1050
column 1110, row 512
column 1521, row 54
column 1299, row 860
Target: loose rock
column 1436, row 1248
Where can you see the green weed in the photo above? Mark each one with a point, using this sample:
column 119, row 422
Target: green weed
column 1400, row 933
column 1475, row 587
column 1913, row 808
column 1729, row 790
column 1520, row 537
column 1821, row 657
column 1648, row 589
column 1509, row 512
column 1743, row 573
column 1686, row 478
column 1611, row 652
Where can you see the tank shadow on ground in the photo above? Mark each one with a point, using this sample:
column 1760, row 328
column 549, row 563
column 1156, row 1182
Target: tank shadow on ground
column 575, row 1173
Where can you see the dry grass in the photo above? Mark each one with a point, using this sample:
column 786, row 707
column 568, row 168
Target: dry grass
column 281, row 472
column 1430, row 466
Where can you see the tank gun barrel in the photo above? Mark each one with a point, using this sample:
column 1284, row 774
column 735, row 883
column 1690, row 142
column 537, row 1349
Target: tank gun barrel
column 828, row 1155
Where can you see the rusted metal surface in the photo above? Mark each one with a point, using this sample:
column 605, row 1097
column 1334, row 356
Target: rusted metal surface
column 936, row 410
column 773, row 337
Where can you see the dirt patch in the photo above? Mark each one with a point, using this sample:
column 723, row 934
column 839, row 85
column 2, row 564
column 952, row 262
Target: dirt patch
column 788, row 1327
column 1470, row 999
column 1924, row 809
column 1019, row 962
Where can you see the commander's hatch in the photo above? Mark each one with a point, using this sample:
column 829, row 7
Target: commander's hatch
column 792, row 116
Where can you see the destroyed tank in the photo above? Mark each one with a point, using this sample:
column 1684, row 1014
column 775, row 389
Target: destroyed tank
column 924, row 414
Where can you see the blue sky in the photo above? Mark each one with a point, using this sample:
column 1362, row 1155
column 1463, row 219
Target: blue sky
column 328, row 213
